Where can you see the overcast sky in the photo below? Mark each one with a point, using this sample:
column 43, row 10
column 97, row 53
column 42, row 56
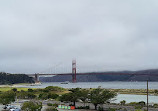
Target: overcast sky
column 102, row 35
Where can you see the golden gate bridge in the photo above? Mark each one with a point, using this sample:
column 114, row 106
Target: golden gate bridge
column 74, row 74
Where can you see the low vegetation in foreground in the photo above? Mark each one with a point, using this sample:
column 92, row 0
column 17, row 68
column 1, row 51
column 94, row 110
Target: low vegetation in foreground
column 63, row 97
column 136, row 91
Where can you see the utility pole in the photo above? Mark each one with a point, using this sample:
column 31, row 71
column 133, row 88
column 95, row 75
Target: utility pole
column 147, row 96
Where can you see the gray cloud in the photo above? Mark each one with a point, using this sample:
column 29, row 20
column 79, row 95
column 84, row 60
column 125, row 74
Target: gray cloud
column 102, row 35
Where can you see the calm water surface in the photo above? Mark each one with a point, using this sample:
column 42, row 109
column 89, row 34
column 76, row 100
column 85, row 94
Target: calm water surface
column 135, row 98
column 109, row 85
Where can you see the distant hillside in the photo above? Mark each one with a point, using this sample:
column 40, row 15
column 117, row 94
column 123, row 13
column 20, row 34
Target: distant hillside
column 6, row 78
column 102, row 78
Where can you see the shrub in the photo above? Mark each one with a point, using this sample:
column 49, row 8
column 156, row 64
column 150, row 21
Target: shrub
column 55, row 105
column 86, row 107
column 82, row 107
column 138, row 107
column 138, row 110
column 51, row 109
column 53, row 96
column 71, row 105
column 123, row 102
column 54, row 88
column 100, row 109
column 111, row 109
column 45, row 96
column 31, row 95
column 49, row 104
column 133, row 103
column 14, row 89
column 30, row 90
column 156, row 91
column 155, row 105
column 142, row 103
column 45, row 90
column 32, row 106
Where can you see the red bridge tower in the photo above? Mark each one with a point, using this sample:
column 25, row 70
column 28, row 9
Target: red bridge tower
column 74, row 71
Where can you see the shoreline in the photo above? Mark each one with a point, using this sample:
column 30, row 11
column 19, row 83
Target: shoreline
column 20, row 86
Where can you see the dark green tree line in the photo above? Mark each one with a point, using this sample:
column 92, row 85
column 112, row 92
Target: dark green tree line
column 6, row 78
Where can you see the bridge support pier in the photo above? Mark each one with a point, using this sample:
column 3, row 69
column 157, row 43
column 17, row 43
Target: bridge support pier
column 74, row 71
column 36, row 78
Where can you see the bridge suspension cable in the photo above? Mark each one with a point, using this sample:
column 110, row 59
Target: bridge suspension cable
column 50, row 69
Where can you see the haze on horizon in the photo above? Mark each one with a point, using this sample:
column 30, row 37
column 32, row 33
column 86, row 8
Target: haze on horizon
column 101, row 35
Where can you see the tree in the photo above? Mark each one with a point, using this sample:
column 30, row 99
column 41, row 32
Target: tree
column 31, row 95
column 6, row 78
column 7, row 98
column 100, row 96
column 65, row 97
column 43, row 96
column 46, row 96
column 53, row 96
column 22, row 95
column 32, row 106
column 26, row 95
column 84, row 95
column 123, row 102
column 142, row 103
column 156, row 91
column 73, row 96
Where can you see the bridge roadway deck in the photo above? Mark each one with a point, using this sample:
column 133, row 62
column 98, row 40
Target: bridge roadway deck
column 96, row 74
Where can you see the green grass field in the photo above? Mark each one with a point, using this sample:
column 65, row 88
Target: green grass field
column 3, row 89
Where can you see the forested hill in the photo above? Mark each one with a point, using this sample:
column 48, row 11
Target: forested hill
column 6, row 78
column 151, row 75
